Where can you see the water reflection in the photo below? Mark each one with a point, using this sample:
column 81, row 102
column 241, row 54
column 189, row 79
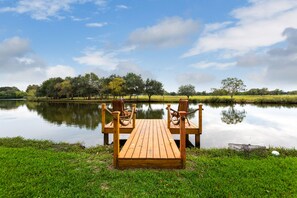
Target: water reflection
column 268, row 125
column 11, row 104
column 72, row 114
column 145, row 111
column 232, row 115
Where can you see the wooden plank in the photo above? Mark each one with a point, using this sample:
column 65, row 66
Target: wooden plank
column 150, row 163
column 156, row 153
column 172, row 148
column 144, row 149
column 167, row 142
column 162, row 149
column 150, row 148
column 131, row 141
column 139, row 142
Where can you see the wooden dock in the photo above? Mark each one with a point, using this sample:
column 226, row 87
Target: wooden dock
column 150, row 144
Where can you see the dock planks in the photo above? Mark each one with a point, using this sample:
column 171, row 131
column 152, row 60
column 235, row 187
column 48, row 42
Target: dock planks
column 150, row 145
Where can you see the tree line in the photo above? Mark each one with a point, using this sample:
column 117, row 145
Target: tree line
column 90, row 85
column 11, row 92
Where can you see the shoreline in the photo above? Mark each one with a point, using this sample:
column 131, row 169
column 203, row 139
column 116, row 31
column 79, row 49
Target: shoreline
column 267, row 99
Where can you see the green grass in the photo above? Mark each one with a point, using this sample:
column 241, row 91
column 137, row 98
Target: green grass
column 267, row 99
column 44, row 169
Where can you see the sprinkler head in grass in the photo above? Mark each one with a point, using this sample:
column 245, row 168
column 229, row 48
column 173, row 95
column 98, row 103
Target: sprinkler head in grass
column 276, row 153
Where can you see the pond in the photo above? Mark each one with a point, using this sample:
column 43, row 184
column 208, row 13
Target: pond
column 72, row 122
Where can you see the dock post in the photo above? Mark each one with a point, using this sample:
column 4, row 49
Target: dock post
column 197, row 136
column 103, row 110
column 134, row 115
column 182, row 145
column 168, row 116
column 116, row 137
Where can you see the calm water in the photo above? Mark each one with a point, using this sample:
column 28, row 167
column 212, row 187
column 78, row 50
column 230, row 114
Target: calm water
column 249, row 124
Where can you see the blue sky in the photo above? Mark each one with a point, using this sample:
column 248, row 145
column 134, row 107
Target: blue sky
column 176, row 42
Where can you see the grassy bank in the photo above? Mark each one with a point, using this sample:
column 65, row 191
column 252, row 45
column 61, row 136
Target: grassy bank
column 267, row 99
column 45, row 169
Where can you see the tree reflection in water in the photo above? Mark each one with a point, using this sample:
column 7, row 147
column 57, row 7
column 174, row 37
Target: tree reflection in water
column 11, row 104
column 232, row 115
column 72, row 114
column 150, row 113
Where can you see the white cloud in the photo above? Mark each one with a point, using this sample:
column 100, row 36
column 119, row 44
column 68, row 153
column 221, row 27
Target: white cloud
column 219, row 65
column 122, row 7
column 73, row 18
column 45, row 9
column 96, row 24
column 16, row 55
column 13, row 47
column 215, row 26
column 127, row 66
column 277, row 66
column 169, row 32
column 195, row 78
column 60, row 71
column 258, row 25
column 19, row 66
column 100, row 59
column 25, row 60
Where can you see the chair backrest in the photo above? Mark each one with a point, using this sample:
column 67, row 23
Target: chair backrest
column 118, row 105
column 183, row 105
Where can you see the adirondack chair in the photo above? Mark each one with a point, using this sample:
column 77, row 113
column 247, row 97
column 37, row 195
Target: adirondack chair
column 183, row 105
column 125, row 115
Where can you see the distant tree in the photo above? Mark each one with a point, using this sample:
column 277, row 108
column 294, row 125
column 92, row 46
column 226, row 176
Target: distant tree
column 187, row 90
column 32, row 91
column 65, row 88
column 277, row 92
column 91, row 85
column 257, row 91
column 116, row 86
column 133, row 84
column 11, row 92
column 103, row 87
column 232, row 86
column 49, row 89
column 172, row 93
column 153, row 87
column 218, row 92
column 293, row 92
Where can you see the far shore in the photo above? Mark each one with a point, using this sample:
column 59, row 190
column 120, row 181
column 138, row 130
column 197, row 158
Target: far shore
column 238, row 99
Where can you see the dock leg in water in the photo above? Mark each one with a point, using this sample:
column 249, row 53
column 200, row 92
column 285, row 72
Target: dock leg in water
column 106, row 139
column 197, row 140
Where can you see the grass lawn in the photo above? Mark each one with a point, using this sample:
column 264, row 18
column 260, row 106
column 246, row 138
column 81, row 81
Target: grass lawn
column 44, row 169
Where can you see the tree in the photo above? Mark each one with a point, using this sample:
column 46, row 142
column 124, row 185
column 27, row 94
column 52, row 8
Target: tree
column 65, row 88
column 116, row 86
column 188, row 90
column 133, row 84
column 32, row 91
column 90, row 82
column 232, row 86
column 49, row 89
column 11, row 92
column 218, row 92
column 153, row 87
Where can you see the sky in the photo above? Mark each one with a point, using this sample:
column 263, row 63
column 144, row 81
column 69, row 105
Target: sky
column 177, row 42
